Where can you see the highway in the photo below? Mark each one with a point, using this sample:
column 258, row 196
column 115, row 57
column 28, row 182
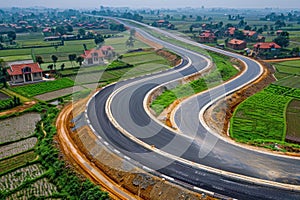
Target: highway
column 182, row 156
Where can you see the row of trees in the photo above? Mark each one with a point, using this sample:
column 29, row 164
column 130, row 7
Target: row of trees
column 72, row 58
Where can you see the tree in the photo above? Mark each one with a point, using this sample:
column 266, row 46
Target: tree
column 62, row 67
column 72, row 58
column 99, row 39
column 239, row 34
column 54, row 59
column 198, row 18
column 81, row 32
column 130, row 42
column 247, row 28
column 61, row 30
column 79, row 60
column 69, row 28
column 12, row 35
column 191, row 28
column 50, row 67
column 39, row 59
column 295, row 51
column 260, row 31
column 283, row 39
column 183, row 17
column 3, row 72
column 84, row 47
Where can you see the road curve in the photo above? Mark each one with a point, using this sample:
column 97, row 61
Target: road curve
column 126, row 107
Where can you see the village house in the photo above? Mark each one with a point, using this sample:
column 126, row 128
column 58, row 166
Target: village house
column 250, row 34
column 236, row 44
column 96, row 56
column 230, row 31
column 207, row 37
column 25, row 73
column 267, row 47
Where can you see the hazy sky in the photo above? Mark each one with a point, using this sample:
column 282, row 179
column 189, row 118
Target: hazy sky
column 153, row 3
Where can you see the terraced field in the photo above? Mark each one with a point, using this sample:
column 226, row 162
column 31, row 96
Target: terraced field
column 14, row 179
column 261, row 119
column 59, row 93
column 17, row 147
column 18, row 127
column 41, row 188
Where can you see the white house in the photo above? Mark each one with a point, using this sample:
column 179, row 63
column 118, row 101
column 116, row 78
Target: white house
column 25, row 73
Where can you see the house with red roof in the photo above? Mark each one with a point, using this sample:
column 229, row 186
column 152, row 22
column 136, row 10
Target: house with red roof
column 97, row 56
column 250, row 34
column 207, row 37
column 230, row 31
column 267, row 47
column 25, row 73
column 236, row 44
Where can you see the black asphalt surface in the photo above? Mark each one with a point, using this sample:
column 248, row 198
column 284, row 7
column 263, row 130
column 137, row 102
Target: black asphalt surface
column 200, row 146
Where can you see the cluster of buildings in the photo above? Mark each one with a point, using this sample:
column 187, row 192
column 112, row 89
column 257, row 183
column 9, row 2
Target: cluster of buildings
column 259, row 47
column 24, row 73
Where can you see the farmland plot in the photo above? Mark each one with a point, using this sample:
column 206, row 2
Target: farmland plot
column 17, row 147
column 261, row 117
column 293, row 119
column 18, row 127
column 14, row 179
column 41, row 188
column 59, row 93
column 17, row 161
column 43, row 87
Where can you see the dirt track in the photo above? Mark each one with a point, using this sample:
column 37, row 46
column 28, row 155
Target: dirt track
column 84, row 165
column 18, row 108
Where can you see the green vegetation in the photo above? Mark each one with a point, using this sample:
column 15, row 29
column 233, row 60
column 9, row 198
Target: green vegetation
column 126, row 66
column 16, row 161
column 293, row 119
column 9, row 103
column 223, row 72
column 62, row 52
column 68, row 184
column 39, row 173
column 43, row 87
column 260, row 120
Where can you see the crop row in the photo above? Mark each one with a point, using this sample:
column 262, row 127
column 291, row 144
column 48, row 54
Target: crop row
column 41, row 188
column 261, row 116
column 14, row 179
column 43, row 87
column 282, row 90
column 18, row 127
column 17, row 147
column 17, row 161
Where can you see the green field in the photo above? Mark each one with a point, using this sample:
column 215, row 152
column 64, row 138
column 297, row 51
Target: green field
column 286, row 70
column 17, row 161
column 43, row 87
column 62, row 52
column 261, row 119
column 142, row 63
column 223, row 72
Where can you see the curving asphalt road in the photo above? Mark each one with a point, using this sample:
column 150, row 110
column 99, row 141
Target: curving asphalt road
column 197, row 146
